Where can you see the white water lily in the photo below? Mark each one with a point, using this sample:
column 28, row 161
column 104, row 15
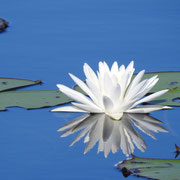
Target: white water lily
column 112, row 92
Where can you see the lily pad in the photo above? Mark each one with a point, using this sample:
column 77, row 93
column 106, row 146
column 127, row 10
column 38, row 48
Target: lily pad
column 159, row 169
column 32, row 99
column 11, row 83
column 167, row 80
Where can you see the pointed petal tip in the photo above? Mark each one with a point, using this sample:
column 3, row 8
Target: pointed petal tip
column 54, row 110
column 59, row 86
column 167, row 107
column 70, row 74
column 85, row 65
column 67, row 109
column 143, row 71
column 131, row 63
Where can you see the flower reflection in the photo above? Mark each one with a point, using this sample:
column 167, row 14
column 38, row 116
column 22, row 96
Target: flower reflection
column 113, row 135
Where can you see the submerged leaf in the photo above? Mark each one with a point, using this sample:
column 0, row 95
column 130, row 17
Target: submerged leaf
column 161, row 169
column 177, row 150
column 167, row 80
column 32, row 99
column 11, row 83
column 3, row 25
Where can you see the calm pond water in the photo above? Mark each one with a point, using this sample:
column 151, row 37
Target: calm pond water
column 46, row 40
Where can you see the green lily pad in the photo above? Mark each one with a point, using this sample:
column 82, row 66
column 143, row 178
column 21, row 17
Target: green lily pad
column 10, row 83
column 162, row 169
column 167, row 80
column 32, row 99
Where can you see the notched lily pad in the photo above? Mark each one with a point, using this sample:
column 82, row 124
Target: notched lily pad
column 12, row 83
column 32, row 99
column 162, row 169
column 3, row 25
column 167, row 80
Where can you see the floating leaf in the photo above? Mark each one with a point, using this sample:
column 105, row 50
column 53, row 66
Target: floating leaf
column 32, row 99
column 10, row 83
column 167, row 80
column 162, row 169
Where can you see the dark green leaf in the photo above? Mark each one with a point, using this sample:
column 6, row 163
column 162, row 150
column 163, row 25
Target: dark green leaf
column 162, row 169
column 10, row 83
column 32, row 99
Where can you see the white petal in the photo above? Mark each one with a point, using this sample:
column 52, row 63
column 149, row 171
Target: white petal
column 141, row 89
column 67, row 109
column 108, row 104
column 136, row 81
column 83, row 86
column 116, row 93
column 146, row 89
column 126, row 78
column 87, row 108
column 114, row 68
column 106, row 67
column 151, row 97
column 132, row 94
column 90, row 74
column 95, row 90
column 130, row 71
column 79, row 97
column 121, row 70
column 147, row 109
column 108, row 84
column 150, row 83
column 101, row 69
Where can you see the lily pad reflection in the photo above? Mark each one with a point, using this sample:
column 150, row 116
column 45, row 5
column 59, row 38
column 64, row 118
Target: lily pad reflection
column 113, row 135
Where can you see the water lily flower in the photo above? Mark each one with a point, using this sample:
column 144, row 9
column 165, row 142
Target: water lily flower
column 112, row 91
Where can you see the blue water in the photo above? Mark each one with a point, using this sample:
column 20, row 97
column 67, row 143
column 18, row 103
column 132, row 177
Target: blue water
column 46, row 40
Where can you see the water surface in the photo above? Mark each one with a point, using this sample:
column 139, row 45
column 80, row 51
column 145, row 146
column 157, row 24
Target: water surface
column 46, row 40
